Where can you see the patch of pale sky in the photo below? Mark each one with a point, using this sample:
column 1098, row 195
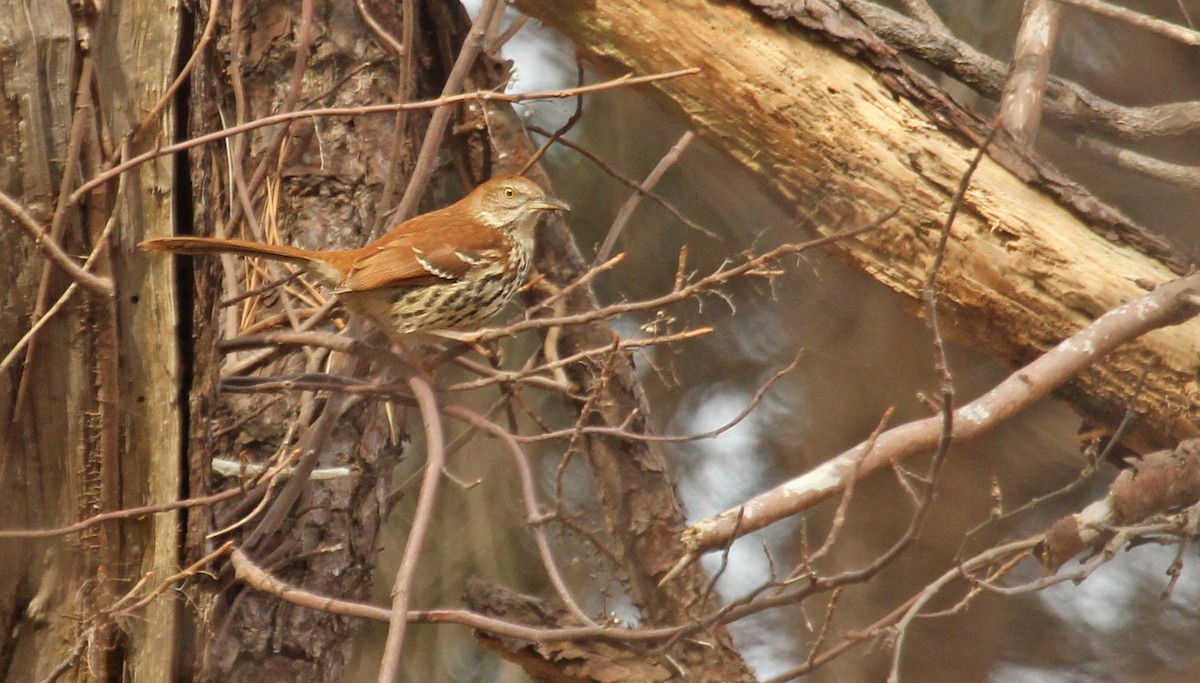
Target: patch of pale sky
column 1105, row 607
column 542, row 60
column 1104, row 602
column 724, row 470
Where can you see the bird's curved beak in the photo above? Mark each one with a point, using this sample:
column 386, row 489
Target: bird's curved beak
column 549, row 204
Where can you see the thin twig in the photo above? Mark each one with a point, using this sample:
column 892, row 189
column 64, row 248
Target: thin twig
column 435, row 453
column 946, row 432
column 100, row 286
column 256, row 577
column 135, row 512
column 557, row 135
column 627, row 182
column 432, row 142
column 529, row 497
column 618, row 225
column 480, row 95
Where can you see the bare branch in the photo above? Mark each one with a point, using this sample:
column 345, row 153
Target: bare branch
column 480, row 95
column 618, row 225
column 100, row 286
column 1175, row 32
column 1065, row 101
column 1025, row 87
column 435, row 453
column 1170, row 304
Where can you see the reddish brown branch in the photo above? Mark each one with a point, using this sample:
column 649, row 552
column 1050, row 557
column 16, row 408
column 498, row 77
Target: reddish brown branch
column 435, row 458
column 100, row 286
column 258, row 578
column 142, row 511
column 480, row 95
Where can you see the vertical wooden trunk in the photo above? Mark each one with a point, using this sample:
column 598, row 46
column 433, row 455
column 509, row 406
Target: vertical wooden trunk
column 328, row 183
column 89, row 417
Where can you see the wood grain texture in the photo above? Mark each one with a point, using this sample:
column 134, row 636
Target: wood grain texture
column 829, row 136
column 134, row 71
column 99, row 427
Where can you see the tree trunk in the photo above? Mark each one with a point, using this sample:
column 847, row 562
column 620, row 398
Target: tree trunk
column 845, row 139
column 89, row 412
column 321, row 184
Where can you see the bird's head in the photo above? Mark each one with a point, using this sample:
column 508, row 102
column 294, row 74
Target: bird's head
column 511, row 202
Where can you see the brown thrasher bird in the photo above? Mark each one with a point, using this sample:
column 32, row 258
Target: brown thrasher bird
column 450, row 269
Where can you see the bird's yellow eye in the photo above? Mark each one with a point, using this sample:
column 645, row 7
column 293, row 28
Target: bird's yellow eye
column 509, row 192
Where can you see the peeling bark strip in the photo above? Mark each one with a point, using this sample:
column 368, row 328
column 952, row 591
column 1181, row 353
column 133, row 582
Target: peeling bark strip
column 1026, row 265
column 1157, row 483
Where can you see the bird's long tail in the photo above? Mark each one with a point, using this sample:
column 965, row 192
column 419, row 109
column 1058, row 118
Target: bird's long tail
column 211, row 245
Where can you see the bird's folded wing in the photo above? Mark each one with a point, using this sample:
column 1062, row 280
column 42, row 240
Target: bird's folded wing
column 426, row 257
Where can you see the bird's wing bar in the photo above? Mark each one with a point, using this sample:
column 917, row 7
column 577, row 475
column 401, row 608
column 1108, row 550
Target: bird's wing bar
column 425, row 257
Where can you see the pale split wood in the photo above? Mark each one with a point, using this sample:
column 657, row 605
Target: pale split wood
column 135, row 73
column 826, row 134
column 102, row 395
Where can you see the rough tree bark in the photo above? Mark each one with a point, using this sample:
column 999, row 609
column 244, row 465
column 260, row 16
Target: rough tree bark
column 828, row 118
column 317, row 183
column 332, row 176
column 98, row 426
